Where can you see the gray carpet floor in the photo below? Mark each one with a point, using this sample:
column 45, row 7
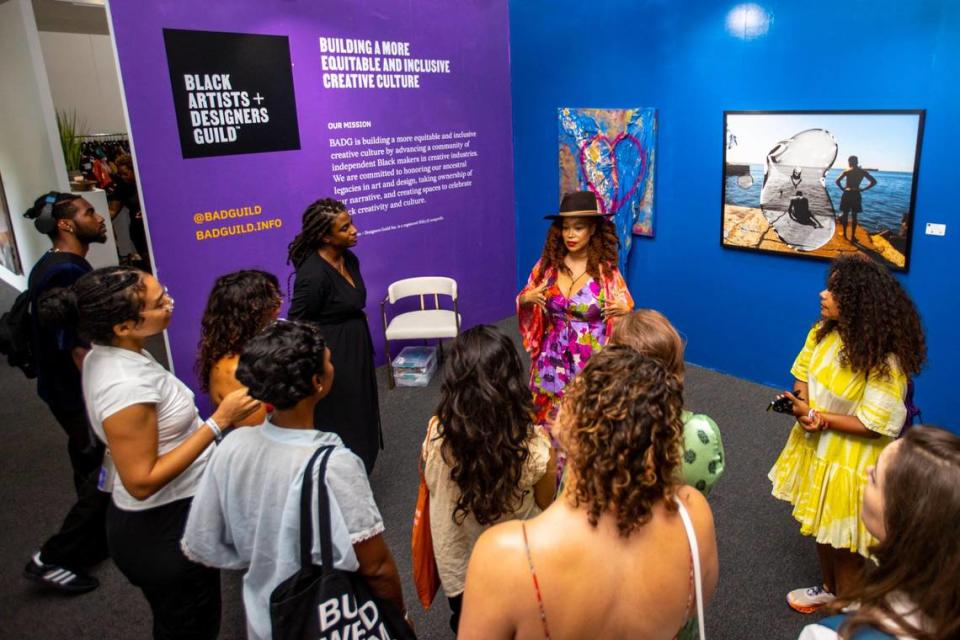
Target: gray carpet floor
column 762, row 554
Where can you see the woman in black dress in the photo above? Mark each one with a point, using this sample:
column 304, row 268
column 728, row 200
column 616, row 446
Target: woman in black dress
column 329, row 291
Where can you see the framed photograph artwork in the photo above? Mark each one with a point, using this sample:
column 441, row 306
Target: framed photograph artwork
column 821, row 183
column 9, row 256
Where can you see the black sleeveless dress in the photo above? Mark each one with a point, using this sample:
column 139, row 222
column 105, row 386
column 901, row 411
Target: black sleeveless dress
column 351, row 410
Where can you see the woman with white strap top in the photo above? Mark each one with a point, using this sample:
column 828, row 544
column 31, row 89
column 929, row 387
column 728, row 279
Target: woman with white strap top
column 625, row 550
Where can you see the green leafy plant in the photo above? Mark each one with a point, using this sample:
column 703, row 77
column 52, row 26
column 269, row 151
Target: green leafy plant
column 70, row 128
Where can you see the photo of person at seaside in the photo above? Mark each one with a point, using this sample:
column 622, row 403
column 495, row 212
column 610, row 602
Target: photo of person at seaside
column 851, row 201
column 831, row 158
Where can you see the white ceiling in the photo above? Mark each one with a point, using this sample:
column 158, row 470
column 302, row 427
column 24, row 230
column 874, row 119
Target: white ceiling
column 66, row 17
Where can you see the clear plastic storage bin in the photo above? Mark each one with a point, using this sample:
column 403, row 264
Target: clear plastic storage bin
column 415, row 366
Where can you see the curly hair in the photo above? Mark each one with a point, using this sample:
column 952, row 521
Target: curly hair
column 620, row 423
column 240, row 305
column 485, row 415
column 921, row 491
column 317, row 222
column 95, row 303
column 877, row 318
column 278, row 365
column 601, row 251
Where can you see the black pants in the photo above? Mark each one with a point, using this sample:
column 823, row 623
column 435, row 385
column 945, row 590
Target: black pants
column 81, row 541
column 456, row 603
column 184, row 596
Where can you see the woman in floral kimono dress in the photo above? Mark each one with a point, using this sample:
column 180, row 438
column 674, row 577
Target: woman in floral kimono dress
column 574, row 292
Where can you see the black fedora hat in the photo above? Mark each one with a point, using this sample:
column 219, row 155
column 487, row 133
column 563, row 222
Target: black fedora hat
column 577, row 204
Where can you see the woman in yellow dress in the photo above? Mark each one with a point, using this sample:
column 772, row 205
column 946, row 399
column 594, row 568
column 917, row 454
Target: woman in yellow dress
column 848, row 397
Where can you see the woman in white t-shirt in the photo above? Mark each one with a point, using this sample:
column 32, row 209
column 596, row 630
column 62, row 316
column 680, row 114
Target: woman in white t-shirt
column 157, row 440
column 911, row 504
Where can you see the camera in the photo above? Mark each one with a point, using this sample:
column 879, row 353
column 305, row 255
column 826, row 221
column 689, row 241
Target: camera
column 783, row 405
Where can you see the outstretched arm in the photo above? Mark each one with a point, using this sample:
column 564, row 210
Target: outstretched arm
column 132, row 437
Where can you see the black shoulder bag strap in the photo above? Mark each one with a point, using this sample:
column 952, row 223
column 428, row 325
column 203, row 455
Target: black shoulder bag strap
column 323, row 512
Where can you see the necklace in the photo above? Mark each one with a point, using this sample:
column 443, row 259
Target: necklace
column 574, row 281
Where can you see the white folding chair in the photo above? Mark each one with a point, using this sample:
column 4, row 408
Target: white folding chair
column 423, row 324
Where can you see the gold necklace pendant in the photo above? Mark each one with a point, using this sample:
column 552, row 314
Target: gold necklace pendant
column 573, row 283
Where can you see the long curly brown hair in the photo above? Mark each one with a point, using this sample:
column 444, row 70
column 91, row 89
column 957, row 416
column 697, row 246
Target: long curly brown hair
column 240, row 305
column 918, row 557
column 486, row 422
column 877, row 318
column 601, row 252
column 621, row 425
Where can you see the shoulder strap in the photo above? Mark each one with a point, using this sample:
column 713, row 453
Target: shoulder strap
column 323, row 512
column 695, row 556
column 536, row 583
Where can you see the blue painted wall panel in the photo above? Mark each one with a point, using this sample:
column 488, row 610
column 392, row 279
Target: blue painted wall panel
column 744, row 313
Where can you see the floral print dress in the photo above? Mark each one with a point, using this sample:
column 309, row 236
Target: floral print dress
column 561, row 339
column 575, row 329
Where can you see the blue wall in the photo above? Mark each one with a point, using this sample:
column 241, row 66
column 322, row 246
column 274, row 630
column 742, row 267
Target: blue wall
column 744, row 313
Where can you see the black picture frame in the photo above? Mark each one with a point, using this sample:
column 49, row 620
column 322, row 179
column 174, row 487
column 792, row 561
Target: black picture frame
column 9, row 254
column 759, row 219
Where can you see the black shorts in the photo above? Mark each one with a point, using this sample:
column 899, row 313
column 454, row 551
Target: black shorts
column 851, row 202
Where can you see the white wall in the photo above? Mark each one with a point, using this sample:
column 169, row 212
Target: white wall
column 31, row 162
column 101, row 255
column 83, row 76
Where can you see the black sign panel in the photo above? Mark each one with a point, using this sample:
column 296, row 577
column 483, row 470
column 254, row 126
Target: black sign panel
column 233, row 92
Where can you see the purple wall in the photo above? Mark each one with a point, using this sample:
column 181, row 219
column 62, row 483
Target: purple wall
column 475, row 242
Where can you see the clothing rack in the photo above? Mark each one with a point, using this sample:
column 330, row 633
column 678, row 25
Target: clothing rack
column 98, row 151
column 106, row 137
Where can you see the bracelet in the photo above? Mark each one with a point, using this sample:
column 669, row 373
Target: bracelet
column 811, row 413
column 215, row 428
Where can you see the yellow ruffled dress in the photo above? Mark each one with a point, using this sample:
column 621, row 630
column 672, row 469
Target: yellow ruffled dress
column 823, row 474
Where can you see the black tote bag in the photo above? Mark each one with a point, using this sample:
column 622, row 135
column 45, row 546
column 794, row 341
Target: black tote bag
column 322, row 602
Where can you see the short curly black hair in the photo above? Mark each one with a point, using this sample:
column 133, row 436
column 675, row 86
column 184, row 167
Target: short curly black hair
column 278, row 365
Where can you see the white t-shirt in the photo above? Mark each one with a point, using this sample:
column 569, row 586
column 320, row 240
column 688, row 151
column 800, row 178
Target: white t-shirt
column 114, row 379
column 246, row 514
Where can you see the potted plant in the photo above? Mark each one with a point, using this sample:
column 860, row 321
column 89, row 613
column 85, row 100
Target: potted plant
column 70, row 133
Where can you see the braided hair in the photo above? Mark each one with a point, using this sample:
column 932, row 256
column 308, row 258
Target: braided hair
column 62, row 210
column 95, row 303
column 317, row 222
